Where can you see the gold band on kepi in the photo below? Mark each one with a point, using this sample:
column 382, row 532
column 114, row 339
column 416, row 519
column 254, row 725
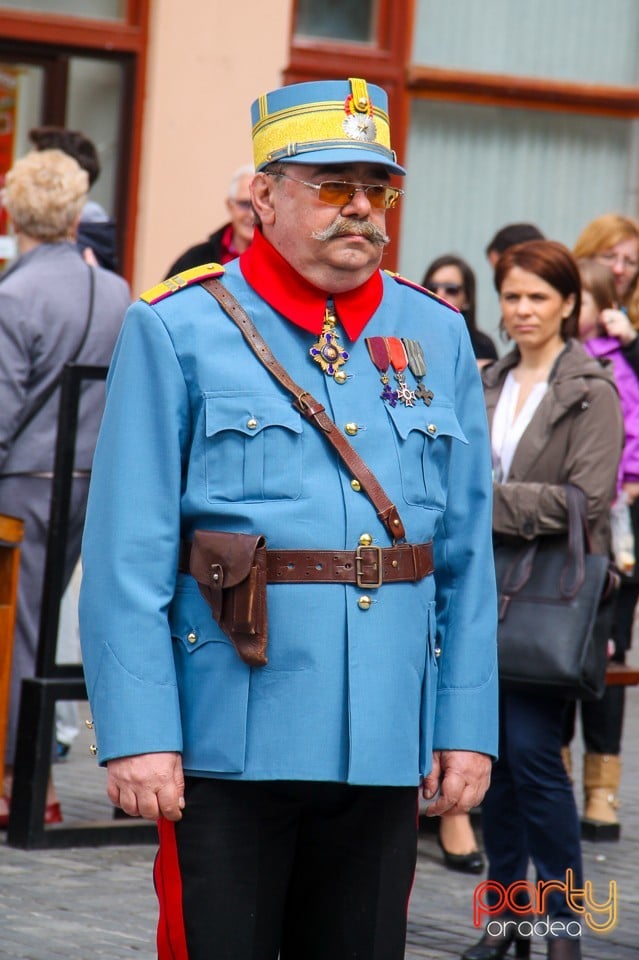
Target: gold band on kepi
column 323, row 122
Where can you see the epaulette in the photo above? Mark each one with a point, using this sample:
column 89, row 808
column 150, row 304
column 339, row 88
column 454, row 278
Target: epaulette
column 416, row 286
column 182, row 280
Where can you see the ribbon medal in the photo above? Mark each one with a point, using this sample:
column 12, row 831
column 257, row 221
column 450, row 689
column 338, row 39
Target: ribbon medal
column 399, row 362
column 379, row 355
column 417, row 366
column 327, row 351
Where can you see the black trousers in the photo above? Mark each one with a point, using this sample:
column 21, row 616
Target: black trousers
column 295, row 870
column 602, row 720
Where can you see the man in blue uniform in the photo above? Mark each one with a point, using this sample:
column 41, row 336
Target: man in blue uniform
column 286, row 791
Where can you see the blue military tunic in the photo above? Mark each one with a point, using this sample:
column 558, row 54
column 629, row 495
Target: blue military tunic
column 197, row 434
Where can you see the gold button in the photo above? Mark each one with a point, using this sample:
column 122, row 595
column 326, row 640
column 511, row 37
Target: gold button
column 192, row 637
column 438, row 651
column 356, row 485
column 365, row 540
column 93, row 750
column 362, row 102
column 431, row 428
column 351, row 429
column 89, row 724
column 340, row 377
column 364, row 602
column 252, row 423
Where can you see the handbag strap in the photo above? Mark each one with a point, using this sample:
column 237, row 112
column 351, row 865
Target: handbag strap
column 53, row 386
column 574, row 569
column 312, row 410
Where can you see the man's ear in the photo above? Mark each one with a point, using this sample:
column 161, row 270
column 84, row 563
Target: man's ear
column 261, row 190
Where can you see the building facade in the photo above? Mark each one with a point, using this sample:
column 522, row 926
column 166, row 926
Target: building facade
column 501, row 111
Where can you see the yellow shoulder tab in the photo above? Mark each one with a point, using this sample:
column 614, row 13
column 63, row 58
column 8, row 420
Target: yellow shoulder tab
column 182, row 280
column 416, row 286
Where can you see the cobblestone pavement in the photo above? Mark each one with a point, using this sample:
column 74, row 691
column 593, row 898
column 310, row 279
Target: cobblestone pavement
column 90, row 903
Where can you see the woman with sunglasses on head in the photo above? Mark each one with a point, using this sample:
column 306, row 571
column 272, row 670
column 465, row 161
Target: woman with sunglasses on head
column 555, row 419
column 453, row 279
column 613, row 239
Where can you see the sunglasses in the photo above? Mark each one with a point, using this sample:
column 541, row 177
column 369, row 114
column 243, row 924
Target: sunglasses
column 449, row 289
column 340, row 192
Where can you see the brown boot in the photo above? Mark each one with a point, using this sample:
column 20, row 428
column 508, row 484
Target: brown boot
column 602, row 774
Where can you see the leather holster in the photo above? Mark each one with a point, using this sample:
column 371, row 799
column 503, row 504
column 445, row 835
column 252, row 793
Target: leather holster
column 230, row 570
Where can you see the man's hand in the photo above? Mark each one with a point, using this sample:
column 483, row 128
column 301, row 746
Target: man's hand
column 462, row 778
column 150, row 785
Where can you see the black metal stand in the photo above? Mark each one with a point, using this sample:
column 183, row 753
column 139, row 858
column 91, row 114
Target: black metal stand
column 55, row 681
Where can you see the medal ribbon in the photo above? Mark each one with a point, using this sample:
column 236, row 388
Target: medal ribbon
column 397, row 354
column 416, row 361
column 378, row 351
column 399, row 361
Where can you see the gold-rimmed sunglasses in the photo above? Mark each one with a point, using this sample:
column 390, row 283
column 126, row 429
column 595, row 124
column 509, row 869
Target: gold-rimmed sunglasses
column 340, row 192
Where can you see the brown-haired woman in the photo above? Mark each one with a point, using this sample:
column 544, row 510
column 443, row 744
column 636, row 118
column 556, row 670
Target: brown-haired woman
column 555, row 419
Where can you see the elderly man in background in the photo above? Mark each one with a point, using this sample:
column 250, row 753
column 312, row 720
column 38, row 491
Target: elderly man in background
column 233, row 237
column 54, row 308
column 284, row 777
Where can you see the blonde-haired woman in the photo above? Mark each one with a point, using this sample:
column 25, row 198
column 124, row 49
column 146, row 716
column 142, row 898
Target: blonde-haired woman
column 613, row 240
column 53, row 308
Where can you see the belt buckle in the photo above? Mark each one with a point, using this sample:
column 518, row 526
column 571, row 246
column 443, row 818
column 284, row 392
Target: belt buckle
column 359, row 559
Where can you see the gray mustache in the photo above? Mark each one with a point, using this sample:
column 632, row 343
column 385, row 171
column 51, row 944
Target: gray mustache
column 342, row 227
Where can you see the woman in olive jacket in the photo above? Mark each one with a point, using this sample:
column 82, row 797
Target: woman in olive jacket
column 555, row 419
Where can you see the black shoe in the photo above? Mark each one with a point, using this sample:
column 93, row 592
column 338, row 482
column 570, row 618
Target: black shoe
column 494, row 948
column 463, row 862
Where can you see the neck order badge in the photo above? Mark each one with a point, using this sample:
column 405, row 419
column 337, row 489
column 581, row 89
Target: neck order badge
column 327, row 350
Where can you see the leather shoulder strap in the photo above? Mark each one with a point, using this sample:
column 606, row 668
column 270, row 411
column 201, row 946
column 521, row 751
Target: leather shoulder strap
column 312, row 410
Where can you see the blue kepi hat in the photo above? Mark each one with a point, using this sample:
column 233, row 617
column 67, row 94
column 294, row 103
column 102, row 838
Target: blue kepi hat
column 323, row 122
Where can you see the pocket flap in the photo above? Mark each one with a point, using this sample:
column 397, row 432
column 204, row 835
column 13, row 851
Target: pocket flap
column 434, row 421
column 249, row 414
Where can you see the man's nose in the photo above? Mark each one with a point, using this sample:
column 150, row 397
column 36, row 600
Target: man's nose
column 360, row 201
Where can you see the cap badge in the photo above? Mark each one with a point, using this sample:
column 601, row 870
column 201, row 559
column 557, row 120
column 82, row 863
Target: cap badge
column 358, row 124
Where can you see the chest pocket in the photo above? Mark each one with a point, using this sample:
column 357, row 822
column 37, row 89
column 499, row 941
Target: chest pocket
column 423, row 438
column 253, row 448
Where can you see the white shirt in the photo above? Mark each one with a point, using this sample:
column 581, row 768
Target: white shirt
column 507, row 429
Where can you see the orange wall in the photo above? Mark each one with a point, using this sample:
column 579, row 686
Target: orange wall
column 208, row 60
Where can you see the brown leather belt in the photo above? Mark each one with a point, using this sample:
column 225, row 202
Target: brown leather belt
column 367, row 567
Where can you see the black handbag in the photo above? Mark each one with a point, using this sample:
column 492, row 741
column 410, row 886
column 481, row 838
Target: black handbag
column 556, row 605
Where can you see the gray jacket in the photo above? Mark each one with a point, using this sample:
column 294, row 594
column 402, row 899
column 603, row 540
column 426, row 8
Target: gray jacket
column 44, row 305
column 575, row 436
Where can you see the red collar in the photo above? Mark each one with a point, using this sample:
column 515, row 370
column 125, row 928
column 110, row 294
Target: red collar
column 290, row 294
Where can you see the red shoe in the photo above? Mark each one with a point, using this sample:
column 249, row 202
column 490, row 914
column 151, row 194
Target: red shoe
column 52, row 814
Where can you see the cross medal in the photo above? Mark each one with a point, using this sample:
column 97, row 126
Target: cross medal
column 327, row 351
column 417, row 366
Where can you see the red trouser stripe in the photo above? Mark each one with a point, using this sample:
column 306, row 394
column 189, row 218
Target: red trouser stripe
column 171, row 938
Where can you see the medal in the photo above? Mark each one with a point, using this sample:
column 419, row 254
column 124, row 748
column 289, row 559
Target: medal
column 327, row 351
column 379, row 355
column 399, row 361
column 417, row 366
